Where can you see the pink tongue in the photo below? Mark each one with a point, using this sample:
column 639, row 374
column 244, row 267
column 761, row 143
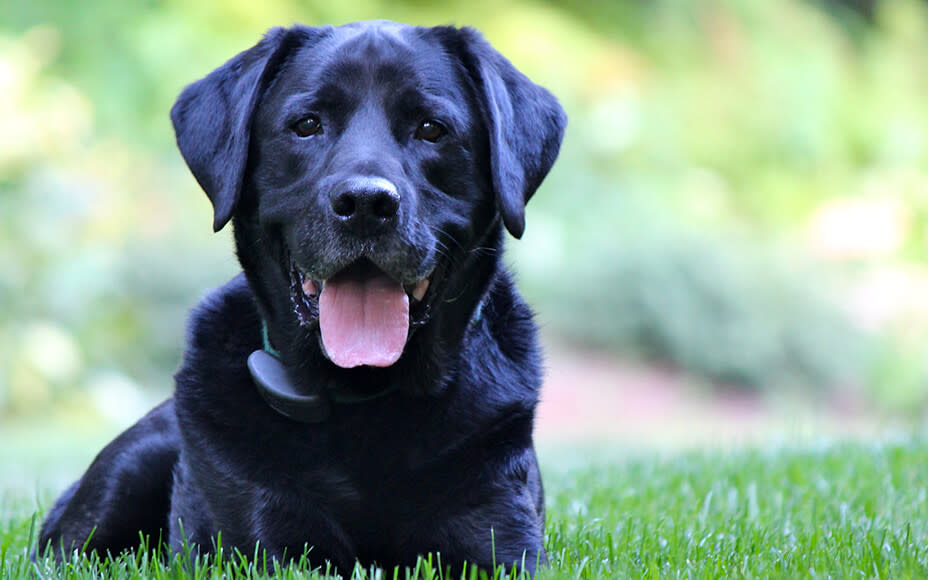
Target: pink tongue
column 363, row 322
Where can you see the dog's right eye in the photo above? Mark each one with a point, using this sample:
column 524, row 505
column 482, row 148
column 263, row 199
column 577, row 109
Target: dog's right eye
column 431, row 130
column 309, row 125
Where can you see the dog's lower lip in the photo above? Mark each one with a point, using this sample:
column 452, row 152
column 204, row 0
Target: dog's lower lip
column 310, row 287
column 419, row 290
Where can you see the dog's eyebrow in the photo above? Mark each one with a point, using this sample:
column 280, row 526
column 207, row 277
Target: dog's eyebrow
column 325, row 96
column 418, row 102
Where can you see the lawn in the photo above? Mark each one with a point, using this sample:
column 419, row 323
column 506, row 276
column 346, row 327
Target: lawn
column 811, row 510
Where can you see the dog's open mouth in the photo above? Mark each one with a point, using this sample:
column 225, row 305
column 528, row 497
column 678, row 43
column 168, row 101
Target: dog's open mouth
column 365, row 316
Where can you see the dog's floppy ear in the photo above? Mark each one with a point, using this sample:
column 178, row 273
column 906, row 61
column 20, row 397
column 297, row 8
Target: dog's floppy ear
column 525, row 123
column 212, row 118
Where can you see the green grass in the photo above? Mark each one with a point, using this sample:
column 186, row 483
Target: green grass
column 828, row 510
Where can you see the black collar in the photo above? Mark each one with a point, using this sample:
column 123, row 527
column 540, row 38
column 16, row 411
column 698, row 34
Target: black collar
column 278, row 390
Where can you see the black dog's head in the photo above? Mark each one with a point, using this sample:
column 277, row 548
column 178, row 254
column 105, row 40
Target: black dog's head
column 365, row 168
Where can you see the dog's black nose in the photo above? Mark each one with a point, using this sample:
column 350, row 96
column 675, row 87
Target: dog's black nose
column 366, row 205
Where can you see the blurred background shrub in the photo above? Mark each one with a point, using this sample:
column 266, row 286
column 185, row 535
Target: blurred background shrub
column 742, row 192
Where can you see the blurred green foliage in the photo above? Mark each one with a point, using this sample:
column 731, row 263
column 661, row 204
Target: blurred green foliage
column 739, row 318
column 706, row 140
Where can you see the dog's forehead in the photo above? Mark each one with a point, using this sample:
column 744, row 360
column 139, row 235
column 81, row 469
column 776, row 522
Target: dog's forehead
column 381, row 54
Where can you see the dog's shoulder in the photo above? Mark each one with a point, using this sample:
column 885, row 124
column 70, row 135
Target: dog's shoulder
column 501, row 358
column 511, row 322
column 226, row 322
column 222, row 330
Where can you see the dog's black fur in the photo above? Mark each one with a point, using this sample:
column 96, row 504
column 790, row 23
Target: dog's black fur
column 440, row 458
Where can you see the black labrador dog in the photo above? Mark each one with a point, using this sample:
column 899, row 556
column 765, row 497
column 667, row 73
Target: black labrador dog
column 366, row 389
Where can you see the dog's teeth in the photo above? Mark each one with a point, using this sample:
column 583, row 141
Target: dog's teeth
column 419, row 290
column 309, row 287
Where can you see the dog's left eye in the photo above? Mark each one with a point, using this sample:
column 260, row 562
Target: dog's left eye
column 309, row 125
column 431, row 130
